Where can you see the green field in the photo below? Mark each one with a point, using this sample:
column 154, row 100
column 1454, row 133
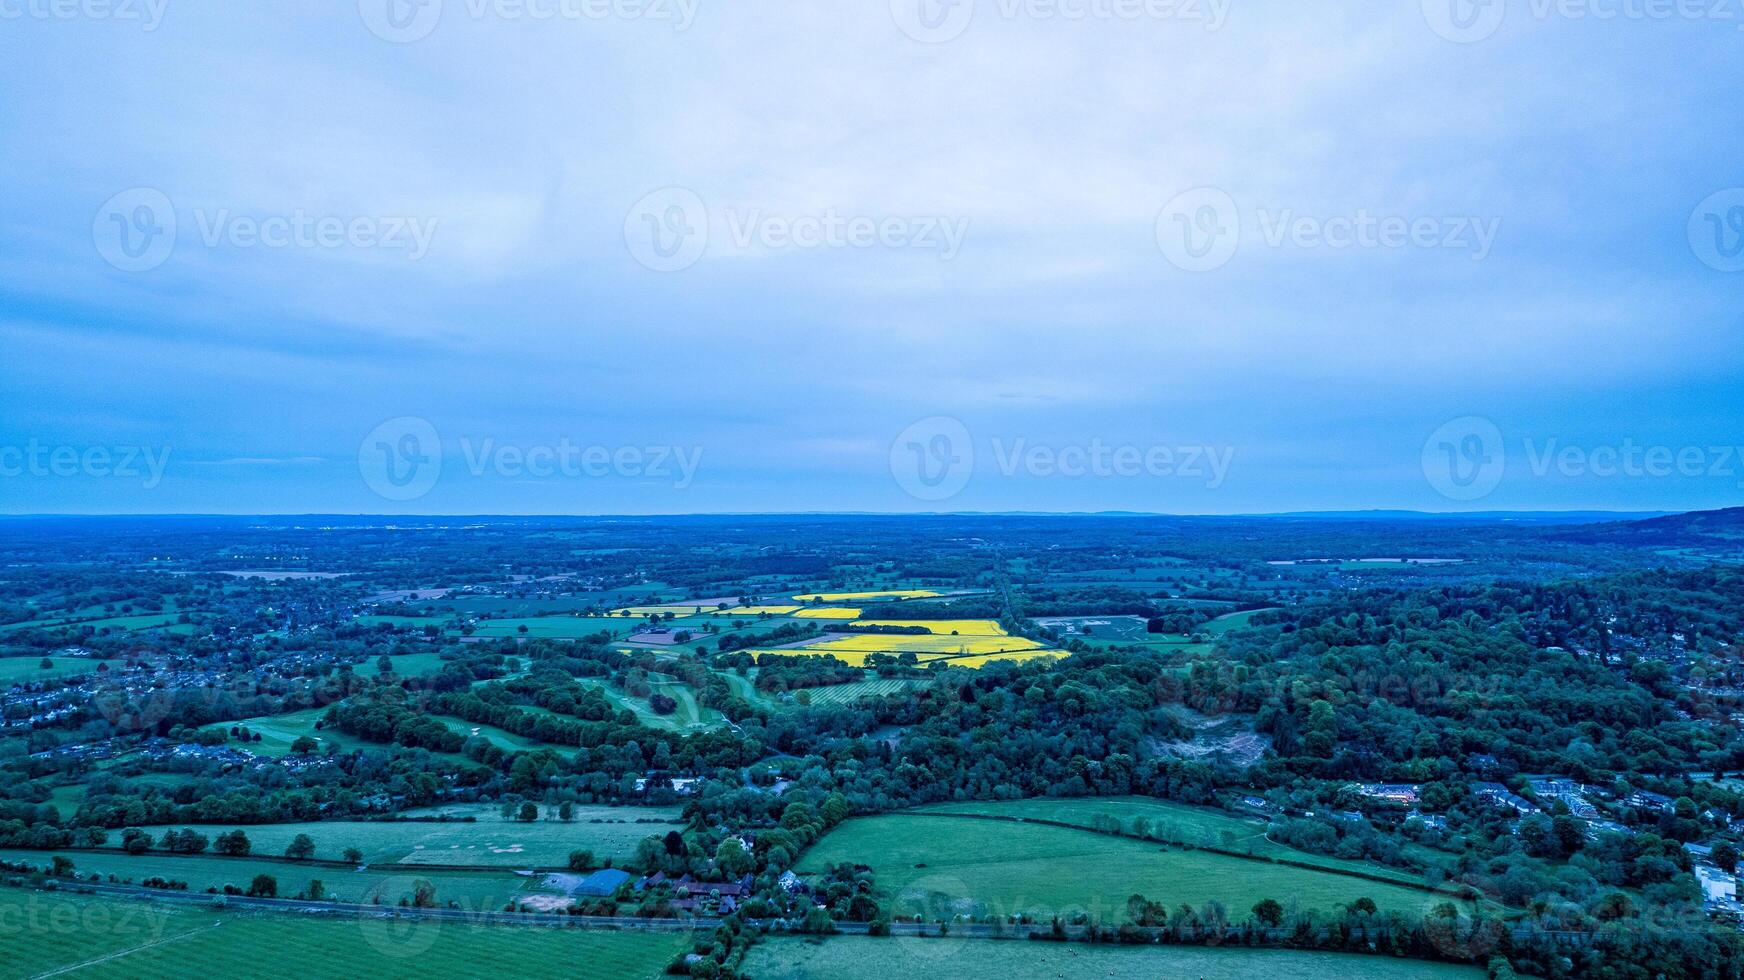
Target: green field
column 486, row 841
column 1113, row 631
column 688, row 717
column 1232, row 621
column 125, row 939
column 554, row 627
column 1170, row 822
column 834, row 694
column 404, row 622
column 944, row 867
column 483, row 889
column 849, row 693
column 164, row 621
column 501, row 738
column 277, row 732
column 405, row 665
column 726, row 622
column 746, row 688
column 66, row 799
column 856, row 958
column 15, row 669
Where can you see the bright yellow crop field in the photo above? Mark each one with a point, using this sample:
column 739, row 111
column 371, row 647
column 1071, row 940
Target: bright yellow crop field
column 828, row 612
column 851, row 596
column 901, row 643
column 944, row 627
column 760, row 610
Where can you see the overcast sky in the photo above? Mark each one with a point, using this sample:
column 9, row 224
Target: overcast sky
column 566, row 256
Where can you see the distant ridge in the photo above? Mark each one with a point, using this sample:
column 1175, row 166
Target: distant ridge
column 1515, row 516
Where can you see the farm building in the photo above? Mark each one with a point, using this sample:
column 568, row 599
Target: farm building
column 1499, row 795
column 601, row 884
column 1390, row 792
column 1717, row 885
column 1569, row 792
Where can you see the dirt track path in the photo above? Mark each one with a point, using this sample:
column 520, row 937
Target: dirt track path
column 126, row 952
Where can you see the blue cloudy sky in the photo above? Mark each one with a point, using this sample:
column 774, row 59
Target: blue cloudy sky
column 656, row 256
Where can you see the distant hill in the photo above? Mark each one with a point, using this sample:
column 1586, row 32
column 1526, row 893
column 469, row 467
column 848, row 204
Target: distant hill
column 1698, row 529
column 1727, row 523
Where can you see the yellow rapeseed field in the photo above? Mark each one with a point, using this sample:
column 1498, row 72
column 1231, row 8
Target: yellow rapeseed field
column 828, row 612
column 891, row 643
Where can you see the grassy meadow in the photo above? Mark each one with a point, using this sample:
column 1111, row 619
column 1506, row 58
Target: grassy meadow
column 486, row 841
column 943, row 867
column 84, row 936
column 858, row 958
column 1168, row 821
column 487, row 889
column 27, row 669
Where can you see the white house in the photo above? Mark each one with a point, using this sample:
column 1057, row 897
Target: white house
column 1717, row 885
